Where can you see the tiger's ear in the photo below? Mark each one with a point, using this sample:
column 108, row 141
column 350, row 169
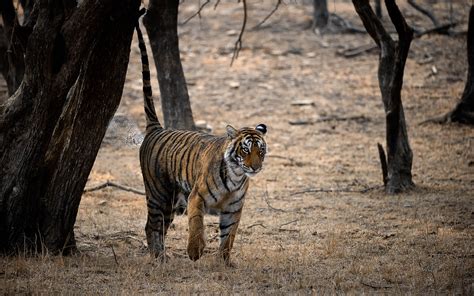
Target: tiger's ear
column 261, row 128
column 231, row 132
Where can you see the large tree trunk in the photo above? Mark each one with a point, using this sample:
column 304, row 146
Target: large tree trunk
column 51, row 129
column 393, row 55
column 320, row 14
column 161, row 22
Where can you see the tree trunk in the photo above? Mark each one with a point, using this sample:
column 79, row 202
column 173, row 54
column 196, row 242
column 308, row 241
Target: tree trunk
column 320, row 14
column 11, row 49
column 50, row 131
column 378, row 8
column 464, row 110
column 161, row 22
column 392, row 60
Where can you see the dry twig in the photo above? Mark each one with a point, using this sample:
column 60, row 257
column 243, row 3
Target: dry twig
column 269, row 15
column 287, row 223
column 115, row 256
column 256, row 224
column 238, row 43
column 112, row 184
column 330, row 190
column 197, row 12
column 265, row 197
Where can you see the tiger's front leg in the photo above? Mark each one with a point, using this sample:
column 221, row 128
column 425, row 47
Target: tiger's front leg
column 196, row 239
column 228, row 224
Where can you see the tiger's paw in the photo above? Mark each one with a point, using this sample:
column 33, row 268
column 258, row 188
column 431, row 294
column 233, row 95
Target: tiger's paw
column 196, row 249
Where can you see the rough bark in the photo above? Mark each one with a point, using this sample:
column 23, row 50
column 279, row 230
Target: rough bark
column 161, row 22
column 320, row 14
column 392, row 60
column 51, row 128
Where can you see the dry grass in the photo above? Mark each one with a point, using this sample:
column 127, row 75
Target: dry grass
column 289, row 242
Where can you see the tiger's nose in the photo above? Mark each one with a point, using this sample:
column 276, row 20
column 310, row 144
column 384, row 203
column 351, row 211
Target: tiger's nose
column 256, row 168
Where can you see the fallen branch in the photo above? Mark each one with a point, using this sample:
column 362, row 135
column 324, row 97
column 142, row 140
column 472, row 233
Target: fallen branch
column 442, row 29
column 112, row 184
column 358, row 118
column 288, row 223
column 355, row 51
column 331, row 190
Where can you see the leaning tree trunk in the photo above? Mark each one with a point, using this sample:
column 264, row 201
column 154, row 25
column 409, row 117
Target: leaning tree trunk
column 464, row 110
column 320, row 14
column 393, row 55
column 161, row 22
column 50, row 131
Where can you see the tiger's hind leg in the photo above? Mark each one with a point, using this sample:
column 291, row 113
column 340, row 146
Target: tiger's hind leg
column 160, row 216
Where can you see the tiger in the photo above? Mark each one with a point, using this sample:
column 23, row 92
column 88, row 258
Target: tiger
column 211, row 173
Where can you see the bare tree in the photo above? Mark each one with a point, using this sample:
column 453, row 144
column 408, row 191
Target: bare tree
column 51, row 128
column 463, row 112
column 161, row 22
column 397, row 167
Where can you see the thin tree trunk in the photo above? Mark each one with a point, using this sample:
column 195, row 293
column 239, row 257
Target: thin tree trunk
column 51, row 129
column 161, row 22
column 378, row 9
column 464, row 110
column 392, row 60
column 320, row 14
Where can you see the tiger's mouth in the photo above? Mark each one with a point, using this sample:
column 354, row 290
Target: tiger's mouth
column 249, row 172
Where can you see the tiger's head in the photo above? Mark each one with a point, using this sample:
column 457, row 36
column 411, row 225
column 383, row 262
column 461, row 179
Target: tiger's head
column 247, row 148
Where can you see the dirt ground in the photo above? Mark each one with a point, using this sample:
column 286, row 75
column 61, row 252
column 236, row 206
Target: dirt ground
column 316, row 220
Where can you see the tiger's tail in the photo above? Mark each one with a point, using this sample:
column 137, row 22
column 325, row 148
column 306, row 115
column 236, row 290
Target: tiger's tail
column 151, row 118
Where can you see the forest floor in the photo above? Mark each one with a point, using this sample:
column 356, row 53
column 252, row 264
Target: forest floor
column 316, row 219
